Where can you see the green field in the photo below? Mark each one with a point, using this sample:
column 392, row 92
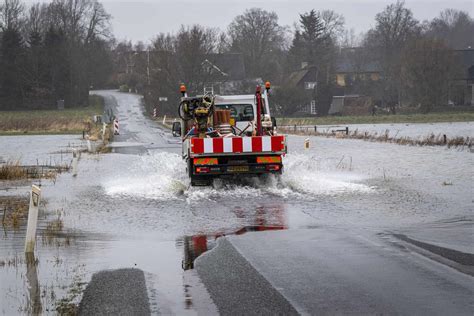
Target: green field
column 398, row 118
column 68, row 121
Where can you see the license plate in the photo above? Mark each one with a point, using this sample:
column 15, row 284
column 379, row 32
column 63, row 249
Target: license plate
column 238, row 169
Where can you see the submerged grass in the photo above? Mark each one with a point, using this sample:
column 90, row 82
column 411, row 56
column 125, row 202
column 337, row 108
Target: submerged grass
column 69, row 305
column 67, row 121
column 368, row 119
column 18, row 261
column 14, row 210
column 13, row 170
column 430, row 140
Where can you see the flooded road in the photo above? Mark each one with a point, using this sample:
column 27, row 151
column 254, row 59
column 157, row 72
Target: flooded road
column 344, row 199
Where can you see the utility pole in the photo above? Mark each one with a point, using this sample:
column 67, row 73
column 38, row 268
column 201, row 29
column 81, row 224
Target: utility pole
column 148, row 65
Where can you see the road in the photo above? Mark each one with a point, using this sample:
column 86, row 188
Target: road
column 352, row 227
column 324, row 240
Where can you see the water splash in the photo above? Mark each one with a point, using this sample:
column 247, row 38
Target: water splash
column 308, row 174
column 162, row 176
column 159, row 176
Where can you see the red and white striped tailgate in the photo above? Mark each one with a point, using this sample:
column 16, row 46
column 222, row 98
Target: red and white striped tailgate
column 238, row 145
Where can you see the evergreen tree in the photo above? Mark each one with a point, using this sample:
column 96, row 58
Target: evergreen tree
column 56, row 62
column 11, row 55
column 310, row 42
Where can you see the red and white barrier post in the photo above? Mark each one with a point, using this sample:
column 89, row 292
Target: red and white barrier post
column 154, row 113
column 116, row 127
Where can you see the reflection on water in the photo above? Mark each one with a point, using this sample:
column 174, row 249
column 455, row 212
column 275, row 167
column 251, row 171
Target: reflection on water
column 34, row 299
column 262, row 218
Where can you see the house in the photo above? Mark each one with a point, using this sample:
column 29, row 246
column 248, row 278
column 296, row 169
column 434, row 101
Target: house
column 355, row 68
column 357, row 75
column 224, row 73
column 306, row 81
column 462, row 91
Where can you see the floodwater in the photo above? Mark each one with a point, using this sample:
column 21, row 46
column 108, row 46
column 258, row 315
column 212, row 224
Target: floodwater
column 39, row 149
column 416, row 131
column 135, row 208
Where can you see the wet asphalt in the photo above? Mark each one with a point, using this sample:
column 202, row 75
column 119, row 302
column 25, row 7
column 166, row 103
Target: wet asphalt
column 116, row 292
column 340, row 268
column 236, row 287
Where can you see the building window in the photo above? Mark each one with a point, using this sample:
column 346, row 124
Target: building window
column 310, row 85
column 340, row 80
column 313, row 107
column 374, row 76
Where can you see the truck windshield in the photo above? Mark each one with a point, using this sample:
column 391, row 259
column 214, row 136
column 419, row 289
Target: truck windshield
column 239, row 112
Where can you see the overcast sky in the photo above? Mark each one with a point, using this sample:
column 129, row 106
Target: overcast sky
column 142, row 19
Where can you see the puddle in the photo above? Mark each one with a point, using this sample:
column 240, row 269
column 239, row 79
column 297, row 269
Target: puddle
column 63, row 264
column 262, row 218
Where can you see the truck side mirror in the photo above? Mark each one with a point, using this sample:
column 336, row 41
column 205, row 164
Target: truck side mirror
column 176, row 129
column 274, row 122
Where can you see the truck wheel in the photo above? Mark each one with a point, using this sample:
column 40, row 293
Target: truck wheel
column 190, row 168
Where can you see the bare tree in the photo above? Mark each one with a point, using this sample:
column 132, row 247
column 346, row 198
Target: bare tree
column 256, row 34
column 11, row 14
column 35, row 20
column 455, row 27
column 192, row 46
column 395, row 26
column 333, row 24
column 350, row 39
column 98, row 22
column 428, row 66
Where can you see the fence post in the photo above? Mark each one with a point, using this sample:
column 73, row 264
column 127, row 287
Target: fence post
column 164, row 120
column 347, row 130
column 104, row 126
column 30, row 240
column 74, row 163
column 295, row 127
column 315, row 129
column 445, row 139
column 89, row 146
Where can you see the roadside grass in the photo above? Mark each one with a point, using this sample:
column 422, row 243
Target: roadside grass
column 368, row 119
column 67, row 121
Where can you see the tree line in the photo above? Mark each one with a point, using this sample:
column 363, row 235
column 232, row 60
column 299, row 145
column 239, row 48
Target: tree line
column 51, row 52
column 415, row 59
column 60, row 50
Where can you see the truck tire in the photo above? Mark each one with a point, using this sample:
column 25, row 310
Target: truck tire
column 190, row 168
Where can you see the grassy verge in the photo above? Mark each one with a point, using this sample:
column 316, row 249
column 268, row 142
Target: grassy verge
column 68, row 121
column 398, row 118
